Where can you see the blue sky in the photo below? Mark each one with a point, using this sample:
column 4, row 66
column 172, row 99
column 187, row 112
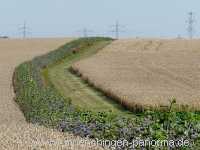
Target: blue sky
column 144, row 18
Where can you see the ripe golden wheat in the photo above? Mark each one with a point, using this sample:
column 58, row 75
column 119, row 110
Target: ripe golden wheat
column 147, row 73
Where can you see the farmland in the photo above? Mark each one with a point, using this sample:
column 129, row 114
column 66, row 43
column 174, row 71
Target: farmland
column 50, row 94
column 147, row 73
column 72, row 87
column 15, row 131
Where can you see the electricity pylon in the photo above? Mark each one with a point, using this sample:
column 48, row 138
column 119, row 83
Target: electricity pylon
column 24, row 30
column 117, row 29
column 190, row 27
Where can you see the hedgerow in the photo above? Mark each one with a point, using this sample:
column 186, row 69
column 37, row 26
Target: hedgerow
column 44, row 105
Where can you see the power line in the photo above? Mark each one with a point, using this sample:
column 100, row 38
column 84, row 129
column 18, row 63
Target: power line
column 190, row 22
column 117, row 29
column 85, row 32
column 24, row 30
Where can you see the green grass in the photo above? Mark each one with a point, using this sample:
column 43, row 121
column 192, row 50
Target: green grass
column 72, row 87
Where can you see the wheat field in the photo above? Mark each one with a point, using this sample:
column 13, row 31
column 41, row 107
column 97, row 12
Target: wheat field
column 15, row 132
column 147, row 73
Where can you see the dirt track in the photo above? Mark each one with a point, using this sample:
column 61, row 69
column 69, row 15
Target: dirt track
column 15, row 132
column 147, row 72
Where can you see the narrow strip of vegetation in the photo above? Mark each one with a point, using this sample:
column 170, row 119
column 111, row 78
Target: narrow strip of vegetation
column 72, row 87
column 44, row 103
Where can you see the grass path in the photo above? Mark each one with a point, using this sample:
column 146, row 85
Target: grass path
column 76, row 89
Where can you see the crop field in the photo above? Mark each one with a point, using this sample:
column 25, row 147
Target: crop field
column 147, row 73
column 50, row 94
column 15, row 132
column 14, row 52
column 72, row 87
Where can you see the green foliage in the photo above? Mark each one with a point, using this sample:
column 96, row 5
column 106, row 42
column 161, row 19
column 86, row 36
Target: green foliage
column 43, row 104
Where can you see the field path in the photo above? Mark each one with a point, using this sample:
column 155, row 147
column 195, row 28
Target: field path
column 15, row 132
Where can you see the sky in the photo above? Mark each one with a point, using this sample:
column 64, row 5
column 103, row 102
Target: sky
column 61, row 18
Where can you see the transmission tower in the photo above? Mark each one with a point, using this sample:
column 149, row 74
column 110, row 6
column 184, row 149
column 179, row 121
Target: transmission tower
column 190, row 27
column 85, row 32
column 24, row 30
column 117, row 29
